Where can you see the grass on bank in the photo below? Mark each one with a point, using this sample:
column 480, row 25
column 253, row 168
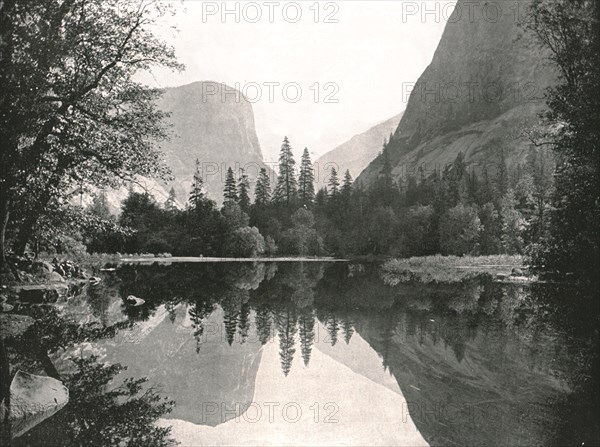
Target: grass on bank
column 428, row 269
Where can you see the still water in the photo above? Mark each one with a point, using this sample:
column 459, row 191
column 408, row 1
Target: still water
column 324, row 354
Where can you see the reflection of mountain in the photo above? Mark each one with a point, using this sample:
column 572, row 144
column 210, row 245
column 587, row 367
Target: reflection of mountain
column 218, row 375
column 467, row 389
column 325, row 404
column 358, row 356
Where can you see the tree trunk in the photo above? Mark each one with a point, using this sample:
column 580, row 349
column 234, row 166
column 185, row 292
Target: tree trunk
column 4, row 215
column 25, row 234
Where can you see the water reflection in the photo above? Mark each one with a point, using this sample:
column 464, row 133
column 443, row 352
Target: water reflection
column 473, row 363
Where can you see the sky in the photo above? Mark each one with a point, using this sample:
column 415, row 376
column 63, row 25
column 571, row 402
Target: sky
column 317, row 72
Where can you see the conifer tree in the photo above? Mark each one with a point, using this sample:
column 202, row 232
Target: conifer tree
column 321, row 198
column 306, row 187
column 347, row 185
column 262, row 193
column 287, row 185
column 197, row 192
column 243, row 192
column 334, row 183
column 230, row 192
column 171, row 200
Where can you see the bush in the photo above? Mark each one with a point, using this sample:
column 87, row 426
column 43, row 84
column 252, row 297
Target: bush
column 459, row 231
column 246, row 242
column 157, row 246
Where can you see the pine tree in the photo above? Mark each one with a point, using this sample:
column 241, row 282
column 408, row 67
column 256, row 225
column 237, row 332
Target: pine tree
column 334, row 184
column 171, row 200
column 287, row 186
column 197, row 193
column 243, row 192
column 230, row 192
column 262, row 193
column 306, row 187
column 321, row 198
column 347, row 186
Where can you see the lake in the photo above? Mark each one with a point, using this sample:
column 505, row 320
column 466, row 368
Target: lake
column 311, row 353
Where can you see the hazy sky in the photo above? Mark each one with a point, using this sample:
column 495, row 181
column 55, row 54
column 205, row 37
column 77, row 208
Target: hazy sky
column 363, row 62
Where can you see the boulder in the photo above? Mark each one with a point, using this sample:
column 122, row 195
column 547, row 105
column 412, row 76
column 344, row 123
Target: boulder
column 5, row 307
column 134, row 301
column 32, row 400
column 42, row 268
column 94, row 280
column 56, row 277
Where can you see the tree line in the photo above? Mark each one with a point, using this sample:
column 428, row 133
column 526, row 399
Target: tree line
column 457, row 210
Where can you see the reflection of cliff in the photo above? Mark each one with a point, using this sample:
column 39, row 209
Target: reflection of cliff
column 218, row 374
column 326, row 404
column 465, row 386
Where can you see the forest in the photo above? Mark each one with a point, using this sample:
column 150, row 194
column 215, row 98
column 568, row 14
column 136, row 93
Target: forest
column 454, row 211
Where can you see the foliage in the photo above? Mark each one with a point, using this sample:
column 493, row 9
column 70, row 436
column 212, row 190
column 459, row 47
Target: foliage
column 459, row 231
column 443, row 212
column 262, row 192
column 70, row 100
column 246, row 242
column 306, row 180
column 428, row 269
column 286, row 190
column 230, row 193
column 100, row 413
column 302, row 239
column 569, row 31
column 244, row 192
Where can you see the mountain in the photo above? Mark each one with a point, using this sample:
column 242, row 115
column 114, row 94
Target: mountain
column 485, row 84
column 213, row 123
column 210, row 122
column 356, row 153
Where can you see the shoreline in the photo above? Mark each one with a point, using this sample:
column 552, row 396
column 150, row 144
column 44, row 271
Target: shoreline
column 178, row 259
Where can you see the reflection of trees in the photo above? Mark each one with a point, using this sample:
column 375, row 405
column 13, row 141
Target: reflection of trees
column 306, row 324
column 247, row 276
column 286, row 328
column 234, row 306
column 348, row 329
column 263, row 324
column 100, row 414
column 244, row 322
column 198, row 313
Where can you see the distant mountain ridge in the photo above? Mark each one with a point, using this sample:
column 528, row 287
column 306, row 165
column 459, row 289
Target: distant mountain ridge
column 484, row 86
column 355, row 154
